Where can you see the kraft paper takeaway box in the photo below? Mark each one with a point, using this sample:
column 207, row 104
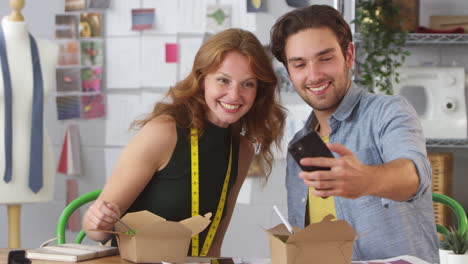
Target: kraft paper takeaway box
column 155, row 239
column 327, row 242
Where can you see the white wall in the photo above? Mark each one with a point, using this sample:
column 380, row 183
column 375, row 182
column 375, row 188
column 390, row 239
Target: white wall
column 245, row 237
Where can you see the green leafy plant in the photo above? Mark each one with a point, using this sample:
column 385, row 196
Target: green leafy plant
column 457, row 241
column 444, row 244
column 381, row 49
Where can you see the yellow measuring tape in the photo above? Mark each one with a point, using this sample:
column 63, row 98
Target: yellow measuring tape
column 196, row 199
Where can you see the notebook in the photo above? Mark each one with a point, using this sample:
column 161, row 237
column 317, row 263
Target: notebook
column 71, row 252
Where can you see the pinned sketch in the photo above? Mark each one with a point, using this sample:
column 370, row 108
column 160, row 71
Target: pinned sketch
column 191, row 16
column 154, row 71
column 254, row 6
column 91, row 53
column 93, row 106
column 123, row 67
column 69, row 53
column 123, row 109
column 147, row 102
column 172, row 53
column 242, row 19
column 188, row 48
column 98, row 4
column 91, row 79
column 90, row 25
column 74, row 5
column 68, row 79
column 66, row 27
column 68, row 107
column 142, row 18
column 218, row 18
column 119, row 18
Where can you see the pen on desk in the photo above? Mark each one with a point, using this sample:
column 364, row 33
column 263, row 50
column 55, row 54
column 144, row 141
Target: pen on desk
column 285, row 222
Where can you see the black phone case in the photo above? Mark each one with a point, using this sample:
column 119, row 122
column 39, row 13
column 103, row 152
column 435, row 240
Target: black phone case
column 309, row 146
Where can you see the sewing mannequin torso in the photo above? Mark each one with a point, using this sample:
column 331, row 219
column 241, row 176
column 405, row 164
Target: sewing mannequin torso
column 21, row 70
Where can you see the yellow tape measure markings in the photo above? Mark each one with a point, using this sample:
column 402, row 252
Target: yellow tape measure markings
column 195, row 196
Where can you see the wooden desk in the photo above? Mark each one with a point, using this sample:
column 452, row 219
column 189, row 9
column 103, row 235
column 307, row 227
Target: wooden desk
column 105, row 260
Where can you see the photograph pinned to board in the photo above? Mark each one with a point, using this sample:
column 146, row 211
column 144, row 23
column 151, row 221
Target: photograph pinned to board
column 91, row 25
column 91, row 79
column 66, row 27
column 70, row 156
column 172, row 52
column 92, row 106
column 255, row 6
column 69, row 53
column 142, row 18
column 68, row 79
column 68, row 107
column 218, row 18
column 91, row 53
column 98, row 4
column 75, row 5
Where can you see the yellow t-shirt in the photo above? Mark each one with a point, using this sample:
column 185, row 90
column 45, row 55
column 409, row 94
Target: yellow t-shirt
column 318, row 206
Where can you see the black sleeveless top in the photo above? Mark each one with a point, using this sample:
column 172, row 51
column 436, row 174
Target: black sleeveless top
column 168, row 193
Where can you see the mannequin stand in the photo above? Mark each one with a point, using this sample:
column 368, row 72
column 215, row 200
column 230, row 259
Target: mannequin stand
column 14, row 212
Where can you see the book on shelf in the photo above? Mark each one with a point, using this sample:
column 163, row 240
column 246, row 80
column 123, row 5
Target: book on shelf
column 71, row 252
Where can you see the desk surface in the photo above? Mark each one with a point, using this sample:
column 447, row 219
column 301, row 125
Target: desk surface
column 106, row 260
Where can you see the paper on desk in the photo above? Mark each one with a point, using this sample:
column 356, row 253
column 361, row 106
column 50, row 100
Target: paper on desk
column 397, row 260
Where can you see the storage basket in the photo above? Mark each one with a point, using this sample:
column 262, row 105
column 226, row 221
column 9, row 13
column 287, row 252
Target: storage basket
column 441, row 163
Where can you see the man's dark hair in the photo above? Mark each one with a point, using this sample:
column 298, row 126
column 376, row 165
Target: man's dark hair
column 314, row 16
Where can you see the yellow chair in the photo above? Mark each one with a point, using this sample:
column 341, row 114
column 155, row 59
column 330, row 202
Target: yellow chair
column 457, row 210
column 68, row 211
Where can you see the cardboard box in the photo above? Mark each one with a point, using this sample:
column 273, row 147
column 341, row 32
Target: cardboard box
column 327, row 242
column 155, row 239
column 448, row 22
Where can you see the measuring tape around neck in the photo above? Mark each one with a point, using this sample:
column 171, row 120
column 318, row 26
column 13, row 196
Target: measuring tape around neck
column 196, row 198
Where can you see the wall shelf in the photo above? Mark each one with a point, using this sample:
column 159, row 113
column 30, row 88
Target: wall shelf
column 447, row 143
column 419, row 38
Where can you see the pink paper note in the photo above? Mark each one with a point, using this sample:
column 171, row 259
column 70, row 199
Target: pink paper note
column 172, row 53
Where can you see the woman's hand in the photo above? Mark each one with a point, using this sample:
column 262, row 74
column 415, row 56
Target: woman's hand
column 101, row 215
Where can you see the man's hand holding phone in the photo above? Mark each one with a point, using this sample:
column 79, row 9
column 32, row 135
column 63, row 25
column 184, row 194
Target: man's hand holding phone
column 344, row 176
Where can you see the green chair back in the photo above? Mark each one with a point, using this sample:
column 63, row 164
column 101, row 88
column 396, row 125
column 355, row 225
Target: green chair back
column 68, row 211
column 457, row 209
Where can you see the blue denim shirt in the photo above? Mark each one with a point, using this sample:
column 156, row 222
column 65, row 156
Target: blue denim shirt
column 378, row 129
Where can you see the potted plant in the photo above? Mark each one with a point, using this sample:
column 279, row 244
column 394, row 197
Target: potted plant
column 444, row 250
column 381, row 47
column 457, row 241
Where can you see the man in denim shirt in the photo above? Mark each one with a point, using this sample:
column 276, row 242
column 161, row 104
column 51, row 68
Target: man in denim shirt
column 380, row 178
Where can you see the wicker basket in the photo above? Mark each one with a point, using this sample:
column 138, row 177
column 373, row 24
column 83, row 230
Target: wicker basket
column 441, row 163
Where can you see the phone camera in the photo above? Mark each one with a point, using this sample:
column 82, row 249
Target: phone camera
column 300, row 149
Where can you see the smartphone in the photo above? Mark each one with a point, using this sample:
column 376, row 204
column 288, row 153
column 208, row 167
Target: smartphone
column 309, row 146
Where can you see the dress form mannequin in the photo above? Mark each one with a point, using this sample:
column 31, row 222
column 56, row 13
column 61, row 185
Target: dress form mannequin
column 16, row 191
